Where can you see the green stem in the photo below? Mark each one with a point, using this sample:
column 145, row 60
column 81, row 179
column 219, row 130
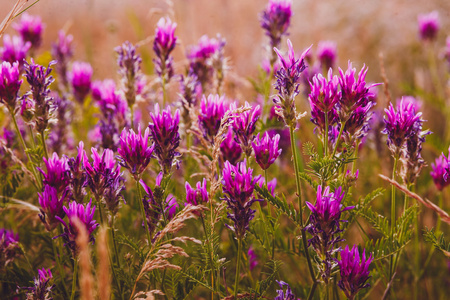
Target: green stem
column 143, row 212
column 99, row 204
column 338, row 138
column 434, row 73
column 393, row 214
column 325, row 139
column 163, row 84
column 236, row 280
column 43, row 144
column 74, row 279
column 60, row 269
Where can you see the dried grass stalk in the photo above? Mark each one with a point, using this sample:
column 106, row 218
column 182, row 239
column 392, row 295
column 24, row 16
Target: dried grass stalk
column 17, row 8
column 86, row 278
column 103, row 268
column 148, row 295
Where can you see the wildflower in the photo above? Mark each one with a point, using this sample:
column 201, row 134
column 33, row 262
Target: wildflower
column 112, row 103
column 428, row 25
column 58, row 173
column 41, row 289
column 354, row 92
column 84, row 214
column 152, row 207
column 30, row 29
column 288, row 295
column 164, row 133
column 230, row 150
column 354, row 271
column 198, row 195
column 238, row 185
column 39, row 79
column 439, row 173
column 130, row 70
column 134, row 151
column 252, row 258
column 212, row 109
column 401, row 123
column 62, row 52
column 102, row 172
column 81, row 80
column 163, row 45
column 10, row 83
column 244, row 126
column 326, row 53
column 357, row 126
column 51, row 206
column 171, row 206
column 325, row 227
column 9, row 247
column 14, row 49
column 275, row 20
column 287, row 85
column 190, row 91
column 78, row 180
column 61, row 136
column 113, row 195
column 266, row 150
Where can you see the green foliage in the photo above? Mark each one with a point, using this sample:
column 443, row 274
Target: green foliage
column 262, row 286
column 437, row 241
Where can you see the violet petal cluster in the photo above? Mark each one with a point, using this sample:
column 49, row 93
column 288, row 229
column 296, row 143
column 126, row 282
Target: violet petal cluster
column 58, row 173
column 229, row 149
column 30, row 29
column 212, row 109
column 14, row 49
column 163, row 44
column 164, row 133
column 275, row 20
column 284, row 295
column 238, row 185
column 134, row 151
column 85, row 214
column 41, row 290
column 62, row 52
column 9, row 247
column 327, row 53
column 439, row 172
column 325, row 226
column 354, row 270
column 429, row 25
column 287, row 85
column 152, row 204
column 51, row 206
column 10, row 83
column 80, row 80
column 252, row 258
column 244, row 125
column 78, row 174
column 266, row 150
column 198, row 195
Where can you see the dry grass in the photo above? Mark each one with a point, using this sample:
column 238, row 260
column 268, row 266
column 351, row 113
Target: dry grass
column 86, row 278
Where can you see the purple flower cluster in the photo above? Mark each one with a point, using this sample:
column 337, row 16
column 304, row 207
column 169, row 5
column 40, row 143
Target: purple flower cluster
column 163, row 45
column 275, row 20
column 325, row 226
column 129, row 63
column 284, row 295
column 238, row 186
column 212, row 109
column 266, row 150
column 41, row 289
column 14, row 49
column 9, row 247
column 354, row 271
column 51, row 206
column 78, row 174
column 244, row 125
column 60, row 136
column 287, row 85
column 198, row 195
column 82, row 213
column 229, row 149
column 58, row 173
column 62, row 52
column 80, row 80
column 428, row 25
column 10, row 83
column 252, row 258
column 164, row 133
column 134, row 151
column 190, row 95
column 30, row 29
column 440, row 172
column 326, row 53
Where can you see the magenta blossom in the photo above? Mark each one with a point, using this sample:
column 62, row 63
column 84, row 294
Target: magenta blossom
column 439, row 172
column 30, row 29
column 171, row 206
column 230, row 150
column 9, row 247
column 163, row 45
column 326, row 53
column 252, row 258
column 51, row 206
column 275, row 20
column 244, row 125
column 266, row 150
column 14, row 49
column 10, row 83
column 198, row 195
column 212, row 109
column 58, row 173
column 429, row 25
column 81, row 80
column 41, row 289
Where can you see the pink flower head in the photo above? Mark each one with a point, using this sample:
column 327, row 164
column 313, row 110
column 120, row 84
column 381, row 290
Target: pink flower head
column 81, row 80
column 429, row 25
column 30, row 29
column 14, row 49
column 266, row 150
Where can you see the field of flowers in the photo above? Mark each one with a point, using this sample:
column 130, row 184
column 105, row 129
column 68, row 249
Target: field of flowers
column 300, row 153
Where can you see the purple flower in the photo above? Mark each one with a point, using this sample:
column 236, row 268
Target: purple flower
column 275, row 20
column 78, row 175
column 428, row 25
column 357, row 126
column 81, row 80
column 58, row 173
column 324, row 226
column 84, row 214
column 129, row 63
column 190, row 95
column 230, row 150
column 39, row 79
column 287, row 85
column 198, row 195
column 14, row 49
column 164, row 133
column 439, row 172
column 238, row 184
column 134, row 151
column 41, row 289
column 110, row 101
column 266, row 150
column 354, row 91
column 163, row 45
column 10, row 83
column 152, row 207
column 9, row 247
column 51, row 206
column 62, row 52
column 252, row 258
column 326, row 53
column 212, row 109
column 113, row 195
column 103, row 171
column 401, row 123
column 288, row 295
column 354, row 271
column 171, row 206
column 30, row 29
column 244, row 125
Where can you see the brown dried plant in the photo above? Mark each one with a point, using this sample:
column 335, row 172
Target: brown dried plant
column 17, row 9
column 86, row 278
column 103, row 267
